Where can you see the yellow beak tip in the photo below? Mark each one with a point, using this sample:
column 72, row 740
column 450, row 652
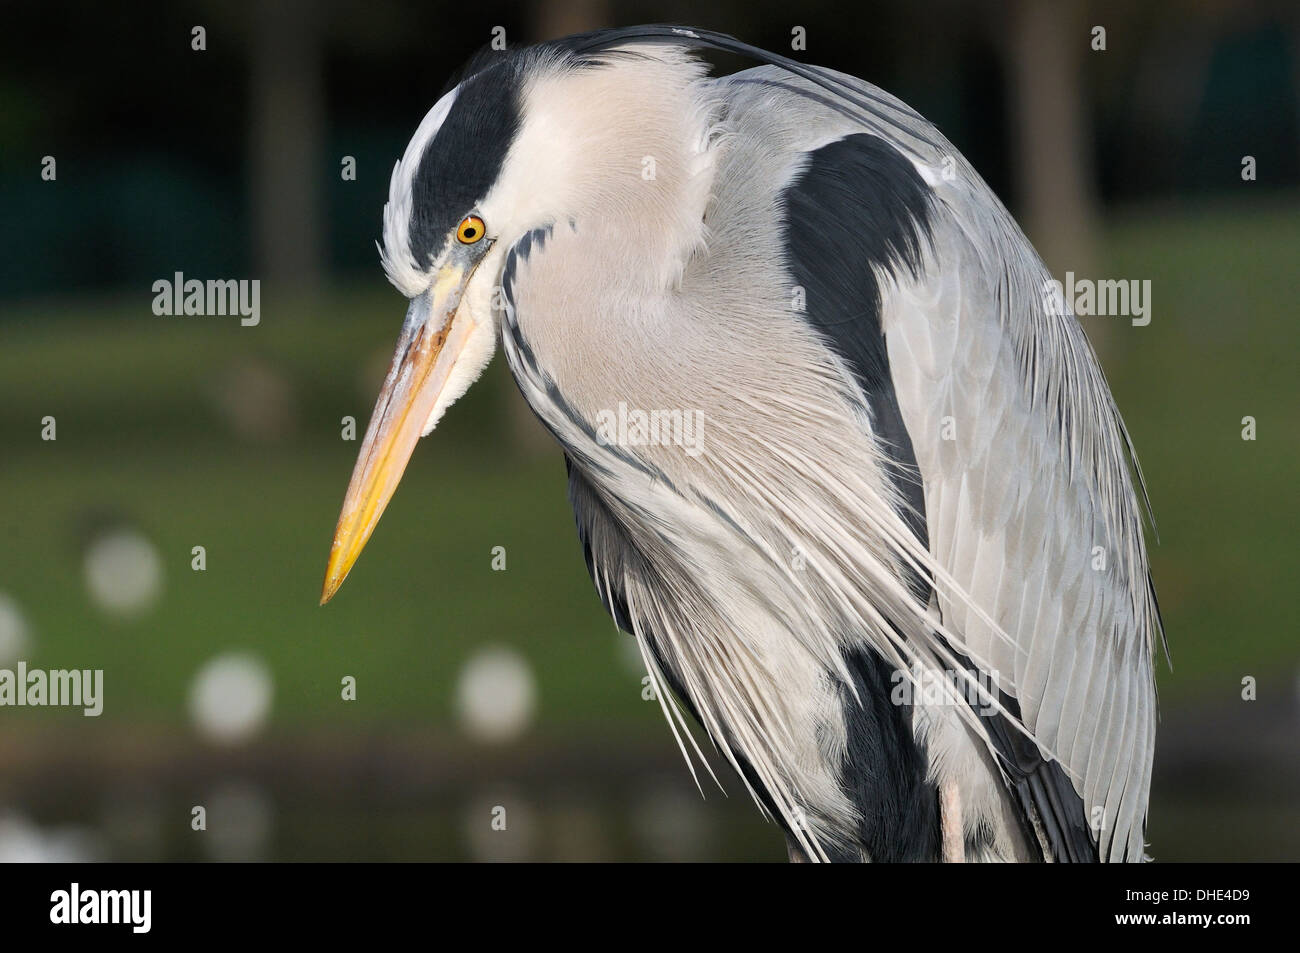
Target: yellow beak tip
column 333, row 582
column 425, row 356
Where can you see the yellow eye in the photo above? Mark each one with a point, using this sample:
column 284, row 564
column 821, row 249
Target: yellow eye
column 470, row 230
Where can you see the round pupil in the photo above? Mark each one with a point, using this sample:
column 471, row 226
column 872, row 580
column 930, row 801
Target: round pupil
column 469, row 231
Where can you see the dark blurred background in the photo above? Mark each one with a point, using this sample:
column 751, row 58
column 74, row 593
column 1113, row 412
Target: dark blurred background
column 477, row 688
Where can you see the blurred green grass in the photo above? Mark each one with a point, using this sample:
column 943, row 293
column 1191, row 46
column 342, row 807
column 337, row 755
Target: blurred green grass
column 140, row 435
column 1221, row 346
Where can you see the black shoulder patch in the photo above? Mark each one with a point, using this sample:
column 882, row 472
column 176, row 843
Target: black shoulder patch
column 856, row 211
column 859, row 209
column 462, row 161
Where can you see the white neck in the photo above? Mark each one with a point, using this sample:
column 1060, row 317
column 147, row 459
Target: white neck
column 626, row 148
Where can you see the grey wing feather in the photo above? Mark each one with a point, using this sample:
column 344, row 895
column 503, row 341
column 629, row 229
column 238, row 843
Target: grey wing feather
column 1030, row 501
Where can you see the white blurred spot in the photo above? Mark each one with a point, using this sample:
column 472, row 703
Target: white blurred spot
column 496, row 695
column 240, row 818
column 487, row 839
column 14, row 633
column 22, row 842
column 123, row 573
column 230, row 697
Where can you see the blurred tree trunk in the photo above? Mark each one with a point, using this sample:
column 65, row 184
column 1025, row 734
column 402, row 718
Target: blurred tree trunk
column 1053, row 144
column 556, row 18
column 287, row 107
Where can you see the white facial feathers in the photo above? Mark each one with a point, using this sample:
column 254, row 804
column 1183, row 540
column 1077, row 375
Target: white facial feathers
column 395, row 254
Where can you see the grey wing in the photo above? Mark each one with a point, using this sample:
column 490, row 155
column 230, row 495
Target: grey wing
column 1029, row 502
column 1032, row 510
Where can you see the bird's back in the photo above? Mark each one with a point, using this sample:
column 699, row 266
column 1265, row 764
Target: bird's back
column 907, row 471
column 1028, row 503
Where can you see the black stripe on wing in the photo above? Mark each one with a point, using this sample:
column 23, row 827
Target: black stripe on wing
column 857, row 212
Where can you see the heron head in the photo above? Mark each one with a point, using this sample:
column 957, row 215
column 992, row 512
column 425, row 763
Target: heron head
column 534, row 138
column 447, row 225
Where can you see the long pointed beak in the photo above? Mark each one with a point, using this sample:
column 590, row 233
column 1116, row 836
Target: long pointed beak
column 431, row 341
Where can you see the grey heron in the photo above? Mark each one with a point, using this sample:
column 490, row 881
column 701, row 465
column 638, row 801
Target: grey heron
column 900, row 576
